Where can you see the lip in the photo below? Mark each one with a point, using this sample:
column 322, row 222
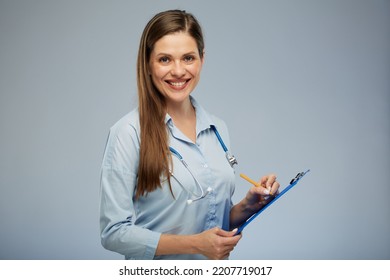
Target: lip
column 178, row 84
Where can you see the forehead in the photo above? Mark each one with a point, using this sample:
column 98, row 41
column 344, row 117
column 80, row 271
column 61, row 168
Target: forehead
column 175, row 43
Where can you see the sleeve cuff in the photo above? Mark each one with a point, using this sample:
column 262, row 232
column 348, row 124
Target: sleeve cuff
column 151, row 246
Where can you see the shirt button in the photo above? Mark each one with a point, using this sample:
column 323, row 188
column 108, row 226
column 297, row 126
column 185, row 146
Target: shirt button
column 205, row 165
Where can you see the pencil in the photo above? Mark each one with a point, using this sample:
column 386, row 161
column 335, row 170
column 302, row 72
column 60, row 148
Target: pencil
column 243, row 176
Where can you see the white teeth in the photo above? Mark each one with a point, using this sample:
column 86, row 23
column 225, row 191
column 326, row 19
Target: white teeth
column 179, row 84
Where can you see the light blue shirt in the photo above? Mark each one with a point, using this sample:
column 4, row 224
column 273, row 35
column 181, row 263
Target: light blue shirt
column 133, row 227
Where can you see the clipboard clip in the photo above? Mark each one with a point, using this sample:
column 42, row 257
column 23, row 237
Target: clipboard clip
column 298, row 177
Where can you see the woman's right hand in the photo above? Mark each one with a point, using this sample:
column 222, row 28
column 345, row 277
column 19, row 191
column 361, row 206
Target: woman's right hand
column 216, row 243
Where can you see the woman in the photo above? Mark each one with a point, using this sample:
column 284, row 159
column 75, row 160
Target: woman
column 166, row 184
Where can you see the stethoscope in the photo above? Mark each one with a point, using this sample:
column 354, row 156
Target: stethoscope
column 230, row 158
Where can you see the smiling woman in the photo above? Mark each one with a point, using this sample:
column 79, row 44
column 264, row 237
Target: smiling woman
column 145, row 214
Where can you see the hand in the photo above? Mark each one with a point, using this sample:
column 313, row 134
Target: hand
column 270, row 183
column 258, row 196
column 216, row 243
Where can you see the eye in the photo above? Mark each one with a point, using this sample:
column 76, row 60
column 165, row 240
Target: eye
column 189, row 58
column 164, row 59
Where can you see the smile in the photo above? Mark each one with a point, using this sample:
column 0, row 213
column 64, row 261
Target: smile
column 178, row 85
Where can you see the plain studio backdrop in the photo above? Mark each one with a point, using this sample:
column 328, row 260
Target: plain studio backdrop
column 301, row 84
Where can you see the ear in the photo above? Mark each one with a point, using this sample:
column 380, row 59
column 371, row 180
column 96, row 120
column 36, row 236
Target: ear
column 203, row 55
column 148, row 70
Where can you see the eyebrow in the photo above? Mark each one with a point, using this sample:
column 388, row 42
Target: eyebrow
column 167, row 54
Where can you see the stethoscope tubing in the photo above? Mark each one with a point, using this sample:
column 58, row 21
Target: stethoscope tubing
column 231, row 159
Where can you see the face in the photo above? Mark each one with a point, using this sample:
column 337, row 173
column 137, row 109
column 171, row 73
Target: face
column 175, row 67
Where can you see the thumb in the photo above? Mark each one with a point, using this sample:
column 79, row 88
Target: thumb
column 225, row 233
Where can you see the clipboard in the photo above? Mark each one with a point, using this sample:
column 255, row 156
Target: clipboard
column 293, row 182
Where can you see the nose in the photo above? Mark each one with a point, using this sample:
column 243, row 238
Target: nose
column 178, row 69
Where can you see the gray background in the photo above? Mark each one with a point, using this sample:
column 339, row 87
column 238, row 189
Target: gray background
column 301, row 84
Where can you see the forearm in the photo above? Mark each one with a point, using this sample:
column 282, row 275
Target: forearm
column 240, row 213
column 177, row 244
column 246, row 208
column 214, row 243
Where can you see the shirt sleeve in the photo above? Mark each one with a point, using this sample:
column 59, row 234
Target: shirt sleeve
column 119, row 232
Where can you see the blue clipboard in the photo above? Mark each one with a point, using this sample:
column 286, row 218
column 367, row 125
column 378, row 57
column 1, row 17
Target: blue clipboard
column 293, row 182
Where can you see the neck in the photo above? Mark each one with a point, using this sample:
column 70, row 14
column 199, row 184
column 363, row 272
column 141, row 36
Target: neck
column 183, row 110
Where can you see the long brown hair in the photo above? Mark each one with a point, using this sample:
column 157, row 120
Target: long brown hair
column 155, row 157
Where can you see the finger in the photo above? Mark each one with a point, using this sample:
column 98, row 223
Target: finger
column 234, row 240
column 268, row 180
column 274, row 188
column 260, row 191
column 225, row 233
column 263, row 180
column 231, row 235
column 223, row 255
column 271, row 180
column 229, row 238
column 229, row 243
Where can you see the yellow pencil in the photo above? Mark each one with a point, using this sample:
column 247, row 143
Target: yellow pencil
column 243, row 176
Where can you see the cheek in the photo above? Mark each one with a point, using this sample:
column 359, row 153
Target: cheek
column 158, row 72
column 156, row 75
column 195, row 69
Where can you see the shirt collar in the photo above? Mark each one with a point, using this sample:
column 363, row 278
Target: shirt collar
column 203, row 118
